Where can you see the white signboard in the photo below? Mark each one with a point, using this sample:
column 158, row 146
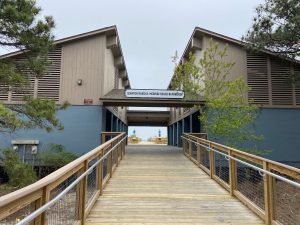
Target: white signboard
column 139, row 93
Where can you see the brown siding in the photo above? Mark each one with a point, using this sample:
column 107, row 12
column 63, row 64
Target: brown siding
column 109, row 72
column 3, row 93
column 18, row 95
column 273, row 82
column 282, row 88
column 45, row 87
column 297, row 84
column 235, row 54
column 257, row 71
column 49, row 85
column 83, row 59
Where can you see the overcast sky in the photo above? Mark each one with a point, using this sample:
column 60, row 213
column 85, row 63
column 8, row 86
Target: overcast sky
column 151, row 30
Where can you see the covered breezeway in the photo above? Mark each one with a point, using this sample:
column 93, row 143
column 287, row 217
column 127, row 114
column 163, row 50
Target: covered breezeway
column 151, row 118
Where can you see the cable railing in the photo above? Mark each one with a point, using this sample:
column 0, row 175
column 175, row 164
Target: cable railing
column 268, row 188
column 67, row 195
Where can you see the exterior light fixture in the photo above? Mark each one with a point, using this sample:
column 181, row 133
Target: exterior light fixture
column 79, row 82
column 34, row 150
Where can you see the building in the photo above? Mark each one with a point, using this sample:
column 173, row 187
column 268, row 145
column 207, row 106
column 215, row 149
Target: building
column 271, row 89
column 84, row 68
column 89, row 72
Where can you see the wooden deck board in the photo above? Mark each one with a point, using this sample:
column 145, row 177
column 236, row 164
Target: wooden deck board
column 158, row 185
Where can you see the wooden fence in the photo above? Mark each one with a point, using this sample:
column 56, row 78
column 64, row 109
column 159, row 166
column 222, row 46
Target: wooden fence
column 74, row 206
column 274, row 200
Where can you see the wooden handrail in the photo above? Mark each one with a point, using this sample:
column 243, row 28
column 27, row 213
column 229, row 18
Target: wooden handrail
column 277, row 166
column 111, row 132
column 40, row 190
column 268, row 213
column 108, row 134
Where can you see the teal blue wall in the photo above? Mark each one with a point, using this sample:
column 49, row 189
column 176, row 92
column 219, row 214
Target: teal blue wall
column 281, row 131
column 83, row 126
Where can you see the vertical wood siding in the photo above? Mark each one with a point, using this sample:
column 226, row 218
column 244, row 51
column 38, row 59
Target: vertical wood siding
column 83, row 59
column 234, row 54
column 109, row 72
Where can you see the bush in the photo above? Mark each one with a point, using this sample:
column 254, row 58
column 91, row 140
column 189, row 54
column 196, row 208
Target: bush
column 57, row 156
column 20, row 174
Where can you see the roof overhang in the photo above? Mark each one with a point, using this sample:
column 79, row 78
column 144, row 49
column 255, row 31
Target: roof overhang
column 112, row 43
column 108, row 31
column 199, row 33
column 148, row 118
column 117, row 97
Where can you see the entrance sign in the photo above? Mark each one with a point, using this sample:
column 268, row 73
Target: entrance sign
column 146, row 93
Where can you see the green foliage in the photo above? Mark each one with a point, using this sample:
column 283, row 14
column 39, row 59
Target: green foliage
column 57, row 156
column 227, row 114
column 36, row 113
column 276, row 27
column 20, row 174
column 20, row 29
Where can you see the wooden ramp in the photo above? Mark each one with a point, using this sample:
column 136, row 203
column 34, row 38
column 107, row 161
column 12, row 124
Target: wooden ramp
column 158, row 185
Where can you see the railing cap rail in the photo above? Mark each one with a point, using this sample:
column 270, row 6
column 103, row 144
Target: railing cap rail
column 111, row 132
column 6, row 199
column 259, row 158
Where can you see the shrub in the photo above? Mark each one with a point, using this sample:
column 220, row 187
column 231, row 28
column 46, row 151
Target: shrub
column 20, row 174
column 57, row 156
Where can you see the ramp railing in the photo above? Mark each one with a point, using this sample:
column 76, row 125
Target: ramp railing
column 67, row 195
column 268, row 188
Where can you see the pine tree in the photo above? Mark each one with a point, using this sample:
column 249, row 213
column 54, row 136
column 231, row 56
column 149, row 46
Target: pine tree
column 276, row 27
column 21, row 30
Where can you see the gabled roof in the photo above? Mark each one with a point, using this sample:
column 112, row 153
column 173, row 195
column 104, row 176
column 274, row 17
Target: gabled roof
column 112, row 30
column 200, row 32
column 108, row 31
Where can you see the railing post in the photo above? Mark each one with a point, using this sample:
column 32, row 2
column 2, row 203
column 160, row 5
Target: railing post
column 100, row 174
column 121, row 149
column 117, row 152
column 44, row 200
column 190, row 149
column 37, row 204
column 103, row 137
column 110, row 161
column 268, row 195
column 232, row 173
column 82, row 194
column 198, row 153
column 124, row 147
column 211, row 161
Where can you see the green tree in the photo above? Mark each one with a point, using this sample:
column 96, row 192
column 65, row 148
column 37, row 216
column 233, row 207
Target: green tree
column 20, row 29
column 276, row 27
column 20, row 174
column 227, row 115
